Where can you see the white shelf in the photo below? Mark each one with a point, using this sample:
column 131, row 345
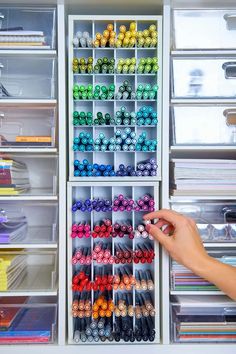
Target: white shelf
column 17, row 101
column 33, row 194
column 197, row 198
column 114, row 48
column 38, row 52
column 201, row 53
column 29, row 149
column 122, row 179
column 203, row 147
column 37, row 282
column 203, row 100
column 175, row 292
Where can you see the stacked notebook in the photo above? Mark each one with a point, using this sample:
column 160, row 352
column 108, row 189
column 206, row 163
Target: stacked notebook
column 182, row 279
column 203, row 177
column 13, row 232
column 13, row 269
column 20, row 39
column 198, row 320
column 14, row 177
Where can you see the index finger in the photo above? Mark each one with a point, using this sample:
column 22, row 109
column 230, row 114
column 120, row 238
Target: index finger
column 169, row 215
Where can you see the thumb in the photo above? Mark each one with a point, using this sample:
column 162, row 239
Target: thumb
column 158, row 235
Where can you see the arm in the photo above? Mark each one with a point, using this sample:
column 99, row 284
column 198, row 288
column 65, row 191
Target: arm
column 185, row 246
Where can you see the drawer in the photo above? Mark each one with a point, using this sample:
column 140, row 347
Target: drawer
column 206, row 125
column 28, row 222
column 28, row 270
column 216, row 221
column 28, row 320
column 27, row 126
column 219, row 25
column 182, row 279
column 27, row 77
column 36, row 175
column 204, row 77
column 27, row 27
column 200, row 319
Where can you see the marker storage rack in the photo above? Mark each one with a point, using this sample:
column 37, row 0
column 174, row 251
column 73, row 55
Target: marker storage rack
column 115, row 123
column 113, row 276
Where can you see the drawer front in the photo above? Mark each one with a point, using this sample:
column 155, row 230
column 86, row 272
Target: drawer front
column 219, row 25
column 200, row 125
column 204, row 78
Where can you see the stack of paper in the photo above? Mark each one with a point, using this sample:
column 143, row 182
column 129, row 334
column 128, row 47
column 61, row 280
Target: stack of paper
column 203, row 177
column 13, row 269
column 201, row 320
column 22, row 39
column 12, row 233
column 14, row 177
column 10, row 312
column 182, row 279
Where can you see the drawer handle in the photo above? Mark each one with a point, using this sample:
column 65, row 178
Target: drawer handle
column 230, row 21
column 2, row 115
column 229, row 215
column 230, row 115
column 230, row 69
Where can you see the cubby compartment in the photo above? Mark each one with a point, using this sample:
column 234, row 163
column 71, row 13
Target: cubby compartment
column 27, row 126
column 28, row 27
column 216, row 220
column 184, row 280
column 203, row 77
column 28, row 77
column 209, row 28
column 28, row 270
column 219, row 125
column 111, row 257
column 28, row 223
column 198, row 319
column 28, row 320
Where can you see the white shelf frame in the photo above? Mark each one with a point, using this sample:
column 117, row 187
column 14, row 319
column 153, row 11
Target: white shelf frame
column 158, row 106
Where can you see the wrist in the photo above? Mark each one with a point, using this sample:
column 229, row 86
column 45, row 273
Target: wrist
column 202, row 265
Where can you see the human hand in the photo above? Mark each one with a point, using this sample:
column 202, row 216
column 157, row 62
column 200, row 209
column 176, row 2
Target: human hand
column 180, row 237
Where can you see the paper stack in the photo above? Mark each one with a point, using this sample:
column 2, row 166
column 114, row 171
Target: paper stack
column 203, row 177
column 20, row 39
column 13, row 269
column 14, row 177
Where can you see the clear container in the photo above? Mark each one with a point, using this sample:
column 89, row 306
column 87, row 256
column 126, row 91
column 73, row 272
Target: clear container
column 210, row 29
column 198, row 319
column 28, row 320
column 216, row 221
column 27, row 77
column 204, row 77
column 28, row 222
column 206, row 125
column 28, row 27
column 28, row 270
column 27, row 126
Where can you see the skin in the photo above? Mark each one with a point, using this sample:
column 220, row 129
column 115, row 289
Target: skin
column 180, row 237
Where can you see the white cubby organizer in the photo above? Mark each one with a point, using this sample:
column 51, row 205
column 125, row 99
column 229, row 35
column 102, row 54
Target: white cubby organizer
column 93, row 24
column 110, row 190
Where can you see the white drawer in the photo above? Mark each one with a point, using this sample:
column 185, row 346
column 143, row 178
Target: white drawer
column 208, row 29
column 203, row 125
column 204, row 77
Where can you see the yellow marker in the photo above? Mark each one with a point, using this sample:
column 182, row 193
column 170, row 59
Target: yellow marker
column 128, row 34
column 133, row 34
column 126, row 42
column 121, row 36
column 103, row 42
column 132, row 42
column 121, row 61
column 98, row 36
column 154, row 34
column 152, row 28
column 112, row 42
column 147, row 42
column 133, row 60
column 153, row 42
column 139, row 34
column 106, row 34
column 122, row 29
column 110, row 27
column 112, row 34
column 128, row 61
column 145, row 33
column 118, row 43
column 96, row 43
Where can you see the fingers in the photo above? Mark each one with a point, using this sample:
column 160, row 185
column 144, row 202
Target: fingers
column 169, row 229
column 159, row 235
column 169, row 215
column 161, row 222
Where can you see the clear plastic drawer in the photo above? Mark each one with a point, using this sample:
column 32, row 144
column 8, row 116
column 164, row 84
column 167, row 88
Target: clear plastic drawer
column 28, row 270
column 28, row 320
column 27, row 126
column 206, row 125
column 216, row 221
column 27, row 77
column 28, row 222
column 210, row 29
column 204, row 77
column 196, row 319
column 27, row 28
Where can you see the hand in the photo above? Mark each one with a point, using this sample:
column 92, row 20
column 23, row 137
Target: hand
column 180, row 237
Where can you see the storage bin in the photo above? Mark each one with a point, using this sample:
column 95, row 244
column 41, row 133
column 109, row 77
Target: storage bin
column 28, row 222
column 208, row 29
column 27, row 126
column 204, row 77
column 203, row 125
column 198, row 319
column 28, row 27
column 28, row 320
column 27, row 77
column 28, row 270
column 216, row 221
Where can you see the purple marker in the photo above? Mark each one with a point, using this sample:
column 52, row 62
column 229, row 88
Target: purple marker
column 129, row 208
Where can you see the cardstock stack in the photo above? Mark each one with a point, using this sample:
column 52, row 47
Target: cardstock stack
column 14, row 177
column 13, row 268
column 20, row 39
column 203, row 177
